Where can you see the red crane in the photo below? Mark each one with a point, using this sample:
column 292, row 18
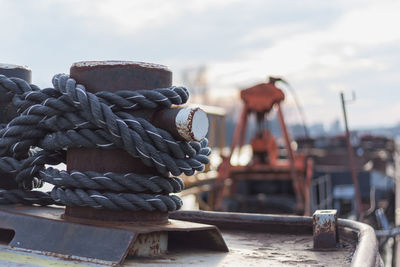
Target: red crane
column 260, row 100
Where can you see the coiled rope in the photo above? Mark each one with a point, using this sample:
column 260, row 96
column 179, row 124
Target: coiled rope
column 54, row 119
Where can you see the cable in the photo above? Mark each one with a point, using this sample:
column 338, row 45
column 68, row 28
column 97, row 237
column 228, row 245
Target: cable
column 296, row 101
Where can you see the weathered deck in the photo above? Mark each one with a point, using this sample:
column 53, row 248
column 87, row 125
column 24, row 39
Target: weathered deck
column 253, row 240
column 257, row 249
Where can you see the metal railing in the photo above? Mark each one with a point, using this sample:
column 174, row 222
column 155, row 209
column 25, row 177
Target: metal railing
column 321, row 193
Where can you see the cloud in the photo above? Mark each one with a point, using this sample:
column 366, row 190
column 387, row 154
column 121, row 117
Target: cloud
column 344, row 56
column 127, row 17
column 321, row 47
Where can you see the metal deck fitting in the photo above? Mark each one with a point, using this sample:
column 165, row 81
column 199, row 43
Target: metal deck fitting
column 325, row 231
column 44, row 229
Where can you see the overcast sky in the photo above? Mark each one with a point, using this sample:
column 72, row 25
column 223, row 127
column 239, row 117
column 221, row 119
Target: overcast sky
column 320, row 47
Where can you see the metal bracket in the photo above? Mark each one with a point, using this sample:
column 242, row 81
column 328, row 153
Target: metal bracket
column 44, row 229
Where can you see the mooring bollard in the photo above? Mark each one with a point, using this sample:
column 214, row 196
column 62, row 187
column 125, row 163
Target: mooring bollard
column 182, row 123
column 126, row 142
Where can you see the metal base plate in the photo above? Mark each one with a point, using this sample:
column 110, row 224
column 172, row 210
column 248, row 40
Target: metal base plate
column 44, row 229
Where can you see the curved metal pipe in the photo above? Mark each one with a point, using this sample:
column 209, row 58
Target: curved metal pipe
column 367, row 250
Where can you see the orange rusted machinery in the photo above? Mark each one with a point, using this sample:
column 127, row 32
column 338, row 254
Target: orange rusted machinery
column 291, row 176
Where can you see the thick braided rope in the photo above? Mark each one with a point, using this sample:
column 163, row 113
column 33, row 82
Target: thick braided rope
column 24, row 170
column 113, row 201
column 154, row 146
column 113, row 181
column 68, row 116
column 16, row 196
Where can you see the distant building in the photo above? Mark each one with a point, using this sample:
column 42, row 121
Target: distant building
column 317, row 129
column 335, row 128
column 297, row 130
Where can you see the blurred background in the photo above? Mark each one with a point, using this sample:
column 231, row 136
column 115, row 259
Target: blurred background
column 219, row 47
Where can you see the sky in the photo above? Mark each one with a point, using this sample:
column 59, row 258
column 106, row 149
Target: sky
column 319, row 47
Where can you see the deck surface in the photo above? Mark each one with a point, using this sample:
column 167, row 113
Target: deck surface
column 257, row 249
column 246, row 249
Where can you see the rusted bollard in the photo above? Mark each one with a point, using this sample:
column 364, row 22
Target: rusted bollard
column 183, row 123
column 114, row 76
column 8, row 111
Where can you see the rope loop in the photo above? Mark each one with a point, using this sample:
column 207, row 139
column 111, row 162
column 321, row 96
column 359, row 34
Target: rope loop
column 51, row 120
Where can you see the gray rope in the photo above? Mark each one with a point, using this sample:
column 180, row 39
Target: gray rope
column 68, row 116
column 29, row 95
column 113, row 201
column 155, row 147
column 25, row 170
column 17, row 196
column 113, row 181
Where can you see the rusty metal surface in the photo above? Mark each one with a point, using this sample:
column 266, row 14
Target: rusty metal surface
column 149, row 245
column 248, row 222
column 12, row 257
column 59, row 237
column 122, row 75
column 113, row 76
column 298, row 185
column 247, row 249
column 253, row 239
column 43, row 229
column 111, row 215
column 255, row 249
column 366, row 252
column 325, row 229
column 262, row 97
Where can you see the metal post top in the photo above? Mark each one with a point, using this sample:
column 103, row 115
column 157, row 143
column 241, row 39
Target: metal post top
column 325, row 212
column 110, row 63
column 116, row 75
column 17, row 71
column 13, row 66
